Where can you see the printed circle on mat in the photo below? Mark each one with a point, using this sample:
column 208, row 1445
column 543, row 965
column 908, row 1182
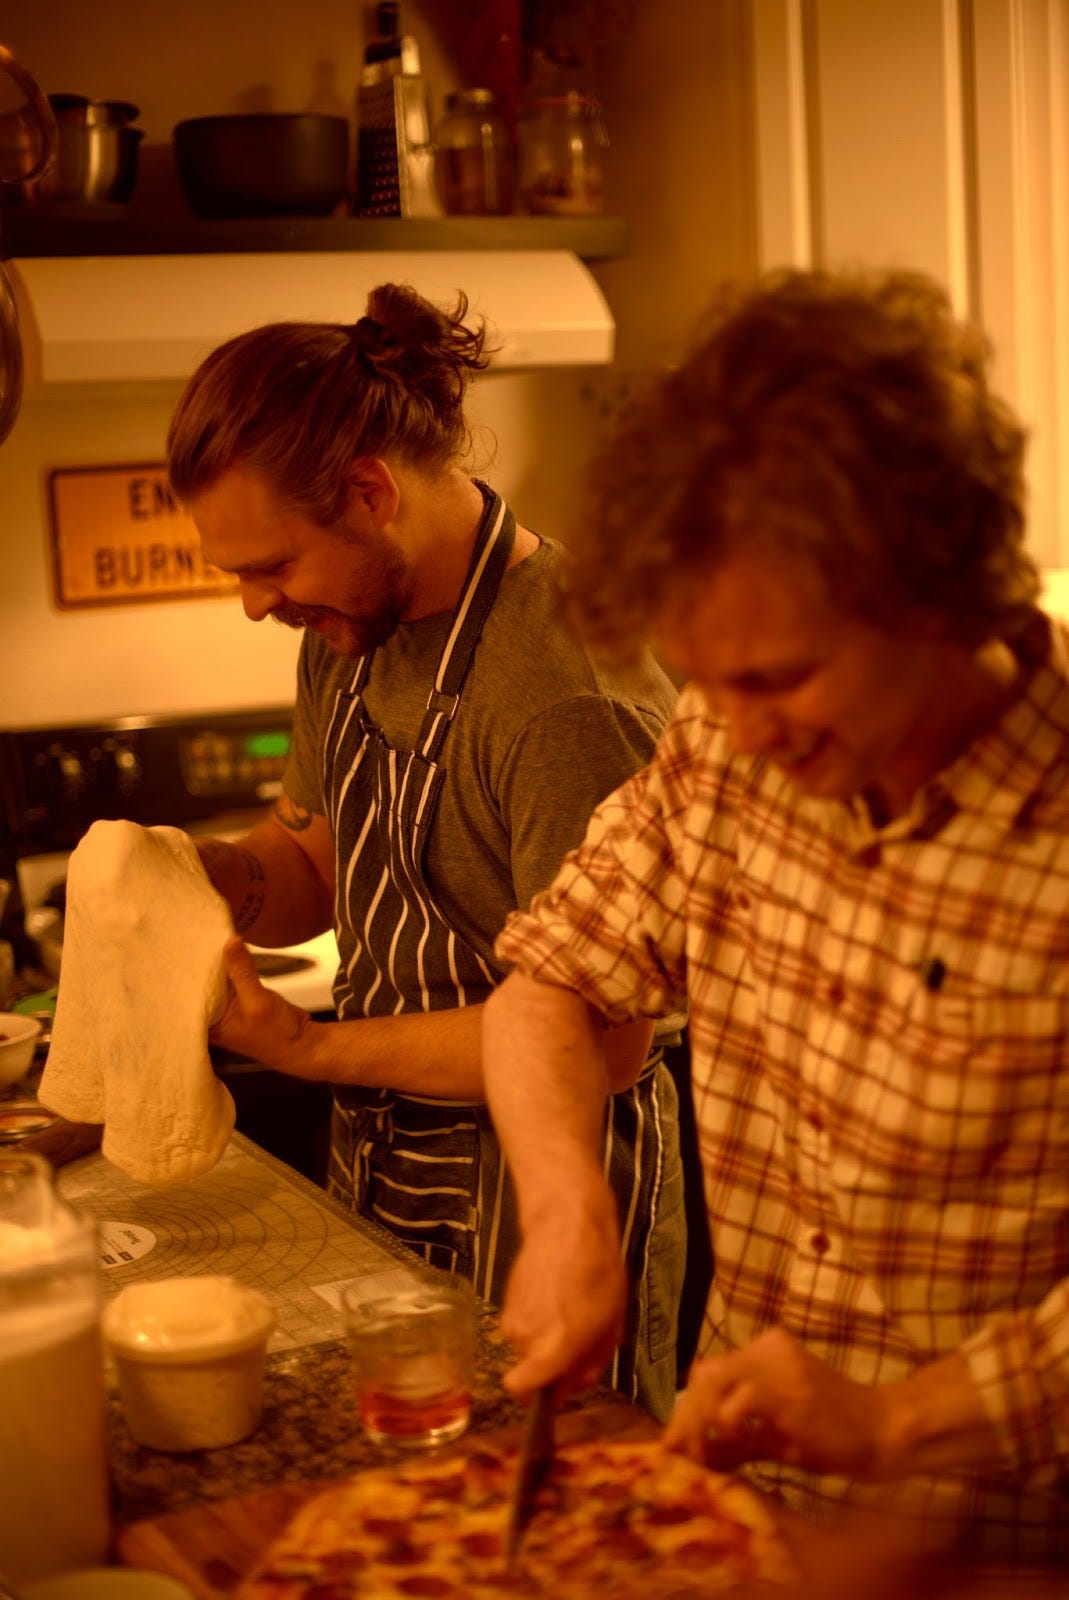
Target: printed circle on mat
column 123, row 1242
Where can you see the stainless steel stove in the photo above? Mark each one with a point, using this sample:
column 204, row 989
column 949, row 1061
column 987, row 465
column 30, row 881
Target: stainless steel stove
column 209, row 774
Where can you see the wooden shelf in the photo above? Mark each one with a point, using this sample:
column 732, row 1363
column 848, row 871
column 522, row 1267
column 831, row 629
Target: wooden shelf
column 106, row 230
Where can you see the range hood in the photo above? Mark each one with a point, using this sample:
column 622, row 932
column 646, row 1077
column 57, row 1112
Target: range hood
column 150, row 317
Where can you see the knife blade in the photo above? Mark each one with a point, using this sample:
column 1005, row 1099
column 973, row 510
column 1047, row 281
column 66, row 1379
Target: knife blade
column 536, row 1458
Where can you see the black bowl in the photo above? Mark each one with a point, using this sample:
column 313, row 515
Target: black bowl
column 267, row 164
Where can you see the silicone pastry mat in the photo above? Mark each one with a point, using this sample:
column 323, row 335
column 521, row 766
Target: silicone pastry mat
column 252, row 1217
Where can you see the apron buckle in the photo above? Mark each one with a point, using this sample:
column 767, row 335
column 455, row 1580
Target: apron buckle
column 443, row 703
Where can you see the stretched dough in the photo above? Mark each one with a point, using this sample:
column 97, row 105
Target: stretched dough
column 141, row 979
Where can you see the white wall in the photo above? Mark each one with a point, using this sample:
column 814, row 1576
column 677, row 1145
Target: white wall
column 71, row 666
column 199, row 654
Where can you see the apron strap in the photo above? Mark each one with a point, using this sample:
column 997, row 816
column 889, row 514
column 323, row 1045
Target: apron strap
column 489, row 559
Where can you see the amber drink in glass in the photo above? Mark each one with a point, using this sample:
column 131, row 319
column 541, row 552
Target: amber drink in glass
column 412, row 1354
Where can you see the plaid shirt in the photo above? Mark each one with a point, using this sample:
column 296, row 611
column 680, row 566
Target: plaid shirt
column 878, row 1023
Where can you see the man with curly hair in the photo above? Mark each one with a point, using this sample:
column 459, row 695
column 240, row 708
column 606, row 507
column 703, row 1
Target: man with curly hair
column 850, row 860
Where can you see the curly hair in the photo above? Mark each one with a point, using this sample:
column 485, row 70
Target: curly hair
column 299, row 401
column 843, row 417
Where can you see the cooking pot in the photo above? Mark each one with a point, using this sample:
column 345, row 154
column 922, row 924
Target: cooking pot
column 79, row 109
column 94, row 161
column 264, row 164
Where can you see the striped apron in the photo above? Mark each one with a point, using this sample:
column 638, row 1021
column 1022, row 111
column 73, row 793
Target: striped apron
column 431, row 1171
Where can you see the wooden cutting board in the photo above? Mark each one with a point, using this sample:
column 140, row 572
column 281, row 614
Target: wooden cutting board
column 211, row 1547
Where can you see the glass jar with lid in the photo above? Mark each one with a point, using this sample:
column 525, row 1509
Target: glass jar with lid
column 475, row 158
column 54, row 1509
column 562, row 145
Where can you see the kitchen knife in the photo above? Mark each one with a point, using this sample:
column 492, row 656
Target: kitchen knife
column 536, row 1457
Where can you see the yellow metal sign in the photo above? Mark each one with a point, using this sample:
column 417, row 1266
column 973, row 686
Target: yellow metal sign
column 119, row 537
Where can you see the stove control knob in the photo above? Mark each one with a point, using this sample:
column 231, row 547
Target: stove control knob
column 127, row 768
column 72, row 776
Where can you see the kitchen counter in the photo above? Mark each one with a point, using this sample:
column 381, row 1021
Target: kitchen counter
column 203, row 1516
column 309, row 1431
column 257, row 1219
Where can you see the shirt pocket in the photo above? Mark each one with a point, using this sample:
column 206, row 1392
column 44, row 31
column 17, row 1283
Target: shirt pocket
column 971, row 1088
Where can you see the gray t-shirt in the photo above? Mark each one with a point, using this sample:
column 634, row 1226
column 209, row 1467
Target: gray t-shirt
column 542, row 734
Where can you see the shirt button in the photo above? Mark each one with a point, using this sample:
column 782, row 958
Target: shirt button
column 821, row 1243
column 836, row 993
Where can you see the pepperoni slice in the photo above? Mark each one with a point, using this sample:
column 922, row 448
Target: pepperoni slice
column 386, row 1527
column 402, row 1553
column 339, row 1563
column 703, row 1550
column 612, row 1492
column 451, row 1488
column 487, row 1545
column 514, row 1580
column 485, row 1461
column 624, row 1544
column 429, row 1584
column 665, row 1516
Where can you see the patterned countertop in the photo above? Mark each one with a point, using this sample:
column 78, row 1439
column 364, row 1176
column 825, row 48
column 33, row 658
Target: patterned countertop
column 309, row 1430
column 255, row 1218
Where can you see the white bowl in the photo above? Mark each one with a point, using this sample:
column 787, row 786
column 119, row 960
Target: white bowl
column 18, row 1037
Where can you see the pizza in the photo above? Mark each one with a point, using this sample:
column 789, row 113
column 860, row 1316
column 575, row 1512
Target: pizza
column 614, row 1521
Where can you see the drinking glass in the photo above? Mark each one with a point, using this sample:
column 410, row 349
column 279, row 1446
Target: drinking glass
column 412, row 1354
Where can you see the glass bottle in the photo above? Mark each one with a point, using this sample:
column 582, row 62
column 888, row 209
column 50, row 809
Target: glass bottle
column 475, row 161
column 53, row 1464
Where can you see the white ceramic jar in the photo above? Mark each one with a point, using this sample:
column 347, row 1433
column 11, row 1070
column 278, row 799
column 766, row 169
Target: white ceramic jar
column 189, row 1353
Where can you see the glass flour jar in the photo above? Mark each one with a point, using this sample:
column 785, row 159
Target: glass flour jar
column 54, row 1513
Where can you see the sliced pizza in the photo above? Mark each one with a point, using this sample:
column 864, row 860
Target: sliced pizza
column 613, row 1521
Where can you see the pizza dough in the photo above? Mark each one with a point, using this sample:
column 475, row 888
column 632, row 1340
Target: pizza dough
column 141, row 979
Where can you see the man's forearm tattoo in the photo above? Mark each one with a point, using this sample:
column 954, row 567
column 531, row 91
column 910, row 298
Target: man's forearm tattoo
column 255, row 895
column 295, row 817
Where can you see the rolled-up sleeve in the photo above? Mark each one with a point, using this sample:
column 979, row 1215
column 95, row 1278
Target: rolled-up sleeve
column 612, row 925
column 1019, row 1362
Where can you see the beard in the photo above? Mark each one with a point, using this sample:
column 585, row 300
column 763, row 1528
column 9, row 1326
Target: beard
column 371, row 604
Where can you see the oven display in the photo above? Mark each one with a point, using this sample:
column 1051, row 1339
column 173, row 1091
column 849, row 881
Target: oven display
column 259, row 745
column 215, row 762
column 56, row 782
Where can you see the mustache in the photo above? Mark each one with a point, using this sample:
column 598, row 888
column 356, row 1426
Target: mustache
column 292, row 616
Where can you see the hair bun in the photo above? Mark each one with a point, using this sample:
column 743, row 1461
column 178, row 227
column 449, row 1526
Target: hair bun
column 366, row 332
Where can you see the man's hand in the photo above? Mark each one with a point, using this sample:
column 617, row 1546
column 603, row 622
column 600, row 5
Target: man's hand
column 564, row 1308
column 258, row 1023
column 773, row 1401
